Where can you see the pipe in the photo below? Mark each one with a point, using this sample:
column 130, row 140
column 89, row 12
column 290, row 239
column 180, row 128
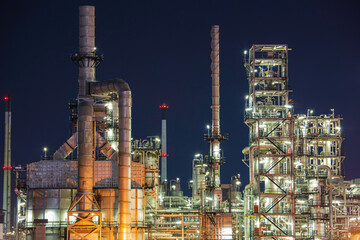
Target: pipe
column 122, row 88
column 7, row 166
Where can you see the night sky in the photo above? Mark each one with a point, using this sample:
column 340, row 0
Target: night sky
column 162, row 48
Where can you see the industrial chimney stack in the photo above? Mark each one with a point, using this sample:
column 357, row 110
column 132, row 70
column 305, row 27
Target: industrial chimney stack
column 164, row 154
column 7, row 166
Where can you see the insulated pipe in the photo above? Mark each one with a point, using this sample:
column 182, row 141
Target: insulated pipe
column 85, row 153
column 120, row 87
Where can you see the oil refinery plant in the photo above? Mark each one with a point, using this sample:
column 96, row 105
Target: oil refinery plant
column 103, row 184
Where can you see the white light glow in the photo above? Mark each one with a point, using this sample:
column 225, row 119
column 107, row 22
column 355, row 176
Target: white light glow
column 109, row 105
column 110, row 132
column 114, row 145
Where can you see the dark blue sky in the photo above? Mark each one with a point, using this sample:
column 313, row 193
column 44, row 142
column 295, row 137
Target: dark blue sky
column 162, row 48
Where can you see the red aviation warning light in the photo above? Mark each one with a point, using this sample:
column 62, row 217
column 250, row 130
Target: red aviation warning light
column 164, row 106
column 4, row 167
column 6, row 98
column 164, row 155
column 9, row 167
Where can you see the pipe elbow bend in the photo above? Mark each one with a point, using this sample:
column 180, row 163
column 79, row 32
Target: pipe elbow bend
column 117, row 85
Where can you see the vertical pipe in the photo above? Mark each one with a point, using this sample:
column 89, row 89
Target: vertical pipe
column 215, row 130
column 7, row 166
column 164, row 108
column 124, row 155
column 85, row 108
column 124, row 163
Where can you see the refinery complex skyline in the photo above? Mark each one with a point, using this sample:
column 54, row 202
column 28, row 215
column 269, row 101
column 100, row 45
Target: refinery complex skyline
column 119, row 153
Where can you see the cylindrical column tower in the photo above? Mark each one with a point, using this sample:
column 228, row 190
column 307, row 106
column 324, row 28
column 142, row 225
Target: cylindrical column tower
column 86, row 59
column 7, row 166
column 87, row 49
column 215, row 128
column 164, row 108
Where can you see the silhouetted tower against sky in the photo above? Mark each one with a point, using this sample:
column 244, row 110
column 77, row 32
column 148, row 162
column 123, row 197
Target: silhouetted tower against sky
column 164, row 154
column 7, row 166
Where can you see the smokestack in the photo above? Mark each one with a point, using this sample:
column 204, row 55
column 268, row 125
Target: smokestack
column 164, row 155
column 215, row 137
column 215, row 130
column 87, row 53
column 86, row 59
column 7, row 166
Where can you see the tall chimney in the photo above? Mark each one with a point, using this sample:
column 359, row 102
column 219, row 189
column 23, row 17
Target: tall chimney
column 7, row 166
column 164, row 155
column 86, row 59
column 215, row 128
column 87, row 51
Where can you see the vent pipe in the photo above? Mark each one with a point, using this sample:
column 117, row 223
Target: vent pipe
column 7, row 166
column 123, row 91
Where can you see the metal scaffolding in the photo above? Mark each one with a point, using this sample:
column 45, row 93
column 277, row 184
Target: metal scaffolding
column 269, row 117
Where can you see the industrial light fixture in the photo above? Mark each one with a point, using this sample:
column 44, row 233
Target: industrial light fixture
column 45, row 150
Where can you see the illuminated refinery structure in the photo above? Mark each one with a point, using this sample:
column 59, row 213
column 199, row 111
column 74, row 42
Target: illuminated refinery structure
column 102, row 184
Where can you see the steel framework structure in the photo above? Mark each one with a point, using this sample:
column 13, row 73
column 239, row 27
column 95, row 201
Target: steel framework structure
column 270, row 121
